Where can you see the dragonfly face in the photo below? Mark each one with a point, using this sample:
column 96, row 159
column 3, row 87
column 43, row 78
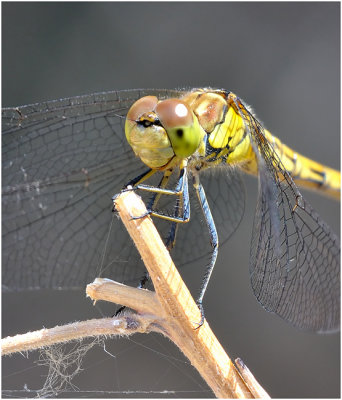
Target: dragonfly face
column 160, row 131
column 63, row 161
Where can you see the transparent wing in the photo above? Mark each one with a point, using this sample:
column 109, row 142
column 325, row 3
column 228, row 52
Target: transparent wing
column 295, row 258
column 62, row 161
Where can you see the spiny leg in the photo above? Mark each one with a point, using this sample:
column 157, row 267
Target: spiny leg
column 171, row 240
column 162, row 185
column 139, row 179
column 213, row 241
column 181, row 190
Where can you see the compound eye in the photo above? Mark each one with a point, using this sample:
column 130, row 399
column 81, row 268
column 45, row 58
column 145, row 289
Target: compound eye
column 181, row 126
column 174, row 113
column 142, row 106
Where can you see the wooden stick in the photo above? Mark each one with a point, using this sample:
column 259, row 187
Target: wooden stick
column 142, row 301
column 252, row 383
column 182, row 315
column 121, row 325
column 170, row 310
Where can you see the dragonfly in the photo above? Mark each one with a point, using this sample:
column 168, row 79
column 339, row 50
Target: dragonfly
column 63, row 160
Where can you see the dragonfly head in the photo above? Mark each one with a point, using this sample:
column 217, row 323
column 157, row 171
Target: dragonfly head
column 161, row 130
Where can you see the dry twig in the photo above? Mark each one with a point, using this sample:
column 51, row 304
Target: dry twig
column 169, row 310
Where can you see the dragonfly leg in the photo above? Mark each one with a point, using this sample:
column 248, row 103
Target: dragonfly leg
column 156, row 196
column 181, row 191
column 171, row 240
column 213, row 241
column 132, row 184
column 139, row 179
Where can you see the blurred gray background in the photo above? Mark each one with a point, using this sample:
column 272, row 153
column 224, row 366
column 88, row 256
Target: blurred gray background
column 284, row 60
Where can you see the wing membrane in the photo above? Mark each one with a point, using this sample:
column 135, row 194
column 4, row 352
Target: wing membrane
column 62, row 163
column 295, row 258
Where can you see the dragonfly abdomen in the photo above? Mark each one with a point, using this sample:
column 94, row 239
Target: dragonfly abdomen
column 306, row 172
